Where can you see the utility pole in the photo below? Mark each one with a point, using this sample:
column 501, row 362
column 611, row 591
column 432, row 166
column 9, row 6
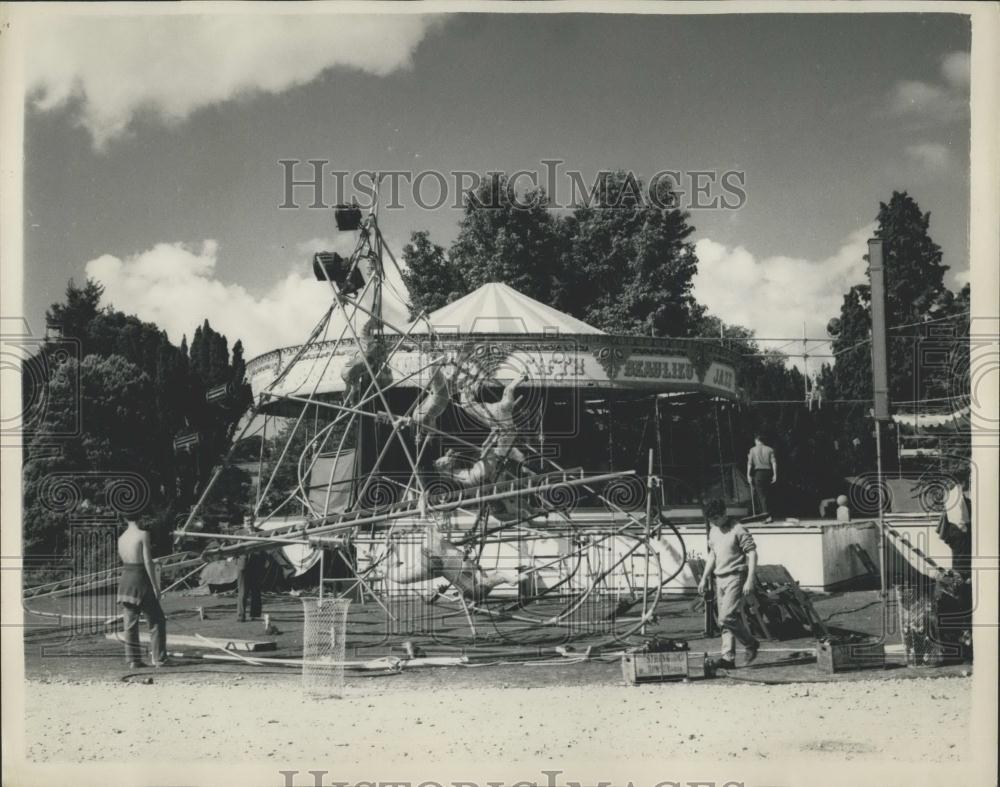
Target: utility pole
column 880, row 390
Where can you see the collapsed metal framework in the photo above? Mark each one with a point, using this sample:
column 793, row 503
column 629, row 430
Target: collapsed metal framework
column 501, row 476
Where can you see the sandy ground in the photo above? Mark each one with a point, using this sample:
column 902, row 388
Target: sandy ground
column 83, row 706
column 231, row 717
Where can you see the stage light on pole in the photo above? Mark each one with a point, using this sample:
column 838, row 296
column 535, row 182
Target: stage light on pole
column 330, row 266
column 186, row 443
column 221, row 395
column 348, row 217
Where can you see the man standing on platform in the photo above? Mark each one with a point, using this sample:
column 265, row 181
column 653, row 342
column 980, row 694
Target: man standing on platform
column 732, row 559
column 762, row 472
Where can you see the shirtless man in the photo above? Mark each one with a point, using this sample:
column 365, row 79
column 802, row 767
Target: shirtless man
column 762, row 472
column 139, row 591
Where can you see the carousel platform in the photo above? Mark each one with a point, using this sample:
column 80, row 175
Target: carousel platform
column 822, row 555
column 825, row 555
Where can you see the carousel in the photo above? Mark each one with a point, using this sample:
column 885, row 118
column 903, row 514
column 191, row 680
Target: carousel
column 473, row 456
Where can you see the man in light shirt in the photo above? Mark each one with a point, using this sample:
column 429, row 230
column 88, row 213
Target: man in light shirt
column 762, row 472
column 732, row 560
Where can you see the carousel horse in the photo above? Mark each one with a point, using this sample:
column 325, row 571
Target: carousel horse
column 437, row 557
column 436, row 399
column 499, row 417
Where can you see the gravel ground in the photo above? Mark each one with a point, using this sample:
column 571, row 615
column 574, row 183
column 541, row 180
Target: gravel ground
column 894, row 726
column 255, row 717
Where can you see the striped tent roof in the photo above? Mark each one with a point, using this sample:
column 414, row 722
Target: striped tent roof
column 497, row 308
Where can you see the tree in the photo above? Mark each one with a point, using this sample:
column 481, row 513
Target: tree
column 624, row 263
column 77, row 312
column 509, row 238
column 432, row 279
column 629, row 264
column 243, row 395
column 915, row 294
column 102, row 403
column 137, row 393
column 239, row 366
column 914, row 260
column 219, row 370
column 927, row 328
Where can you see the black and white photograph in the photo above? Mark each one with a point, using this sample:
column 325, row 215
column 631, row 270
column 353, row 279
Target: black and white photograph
column 460, row 394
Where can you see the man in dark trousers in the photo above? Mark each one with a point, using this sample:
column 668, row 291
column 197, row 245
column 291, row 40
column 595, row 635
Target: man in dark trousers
column 251, row 566
column 139, row 592
column 732, row 562
column 762, row 473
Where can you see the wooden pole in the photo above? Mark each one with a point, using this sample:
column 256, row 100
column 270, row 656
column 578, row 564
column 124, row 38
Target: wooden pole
column 881, row 518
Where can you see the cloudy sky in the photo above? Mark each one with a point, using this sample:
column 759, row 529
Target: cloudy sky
column 152, row 144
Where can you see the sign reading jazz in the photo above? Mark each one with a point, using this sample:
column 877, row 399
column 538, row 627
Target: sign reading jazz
column 721, row 376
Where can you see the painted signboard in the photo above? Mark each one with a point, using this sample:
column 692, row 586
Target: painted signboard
column 608, row 362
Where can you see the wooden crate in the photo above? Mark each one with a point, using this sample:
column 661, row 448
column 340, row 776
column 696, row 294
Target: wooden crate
column 660, row 667
column 834, row 657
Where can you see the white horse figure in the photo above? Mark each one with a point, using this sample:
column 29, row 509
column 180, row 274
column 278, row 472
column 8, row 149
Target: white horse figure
column 435, row 557
column 499, row 417
column 436, row 399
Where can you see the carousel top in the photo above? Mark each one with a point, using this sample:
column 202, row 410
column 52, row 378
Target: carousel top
column 505, row 334
column 496, row 308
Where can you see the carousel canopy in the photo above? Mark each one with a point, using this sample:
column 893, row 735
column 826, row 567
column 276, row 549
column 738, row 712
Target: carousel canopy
column 497, row 308
column 507, row 334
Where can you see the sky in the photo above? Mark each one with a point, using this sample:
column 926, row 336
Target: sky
column 153, row 145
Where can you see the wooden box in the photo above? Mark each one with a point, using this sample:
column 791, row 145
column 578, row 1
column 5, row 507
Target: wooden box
column 834, row 657
column 659, row 667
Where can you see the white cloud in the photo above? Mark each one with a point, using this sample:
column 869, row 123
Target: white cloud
column 941, row 101
column 175, row 286
column 930, row 155
column 775, row 296
column 117, row 67
column 956, row 68
column 913, row 95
